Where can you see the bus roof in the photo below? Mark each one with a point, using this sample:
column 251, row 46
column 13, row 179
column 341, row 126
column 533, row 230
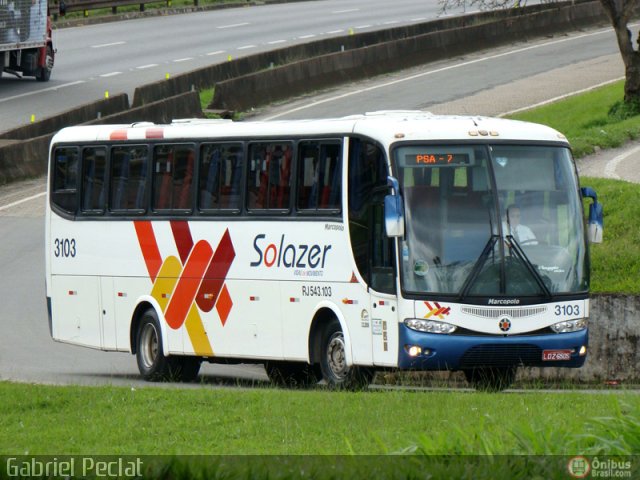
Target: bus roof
column 386, row 127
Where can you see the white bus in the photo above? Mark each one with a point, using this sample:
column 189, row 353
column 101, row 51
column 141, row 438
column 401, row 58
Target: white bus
column 324, row 249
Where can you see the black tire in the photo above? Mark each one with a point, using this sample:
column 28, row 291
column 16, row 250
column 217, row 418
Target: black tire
column 153, row 365
column 44, row 73
column 333, row 363
column 292, row 374
column 491, row 379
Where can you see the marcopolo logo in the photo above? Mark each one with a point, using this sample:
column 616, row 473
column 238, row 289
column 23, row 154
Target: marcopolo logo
column 503, row 301
column 283, row 254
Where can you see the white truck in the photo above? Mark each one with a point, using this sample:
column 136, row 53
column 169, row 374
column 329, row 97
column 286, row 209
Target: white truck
column 26, row 46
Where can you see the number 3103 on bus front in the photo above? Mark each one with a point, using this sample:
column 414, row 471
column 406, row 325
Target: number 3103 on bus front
column 567, row 310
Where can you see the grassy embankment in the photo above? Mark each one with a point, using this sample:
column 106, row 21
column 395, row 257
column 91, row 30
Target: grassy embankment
column 111, row 420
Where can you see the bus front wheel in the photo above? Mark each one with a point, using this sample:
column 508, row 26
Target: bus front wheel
column 491, row 379
column 152, row 363
column 333, row 361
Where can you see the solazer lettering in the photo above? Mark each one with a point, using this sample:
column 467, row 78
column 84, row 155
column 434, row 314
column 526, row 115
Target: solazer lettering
column 288, row 255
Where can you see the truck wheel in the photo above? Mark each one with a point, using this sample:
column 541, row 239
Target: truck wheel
column 333, row 362
column 292, row 374
column 44, row 73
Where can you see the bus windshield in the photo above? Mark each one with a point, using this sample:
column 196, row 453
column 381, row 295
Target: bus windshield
column 497, row 220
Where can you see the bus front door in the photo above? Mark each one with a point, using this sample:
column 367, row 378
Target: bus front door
column 382, row 292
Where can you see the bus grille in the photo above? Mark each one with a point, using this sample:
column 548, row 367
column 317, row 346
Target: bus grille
column 495, row 313
column 501, row 355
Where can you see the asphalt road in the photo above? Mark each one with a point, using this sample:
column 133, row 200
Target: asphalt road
column 118, row 57
column 474, row 84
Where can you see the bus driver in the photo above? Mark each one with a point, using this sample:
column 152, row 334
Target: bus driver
column 523, row 234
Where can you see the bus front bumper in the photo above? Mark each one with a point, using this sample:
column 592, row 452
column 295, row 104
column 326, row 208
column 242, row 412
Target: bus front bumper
column 458, row 352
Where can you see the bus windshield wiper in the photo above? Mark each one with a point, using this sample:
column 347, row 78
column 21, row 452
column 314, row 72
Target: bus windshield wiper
column 519, row 253
column 477, row 267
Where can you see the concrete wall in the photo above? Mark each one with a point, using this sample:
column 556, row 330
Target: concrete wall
column 74, row 116
column 614, row 341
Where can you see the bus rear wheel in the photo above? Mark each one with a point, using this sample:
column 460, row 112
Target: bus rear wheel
column 333, row 362
column 491, row 379
column 292, row 374
column 153, row 365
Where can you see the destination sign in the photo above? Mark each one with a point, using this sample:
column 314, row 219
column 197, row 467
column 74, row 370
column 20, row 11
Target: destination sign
column 427, row 159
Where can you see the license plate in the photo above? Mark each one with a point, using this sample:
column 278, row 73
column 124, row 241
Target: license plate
column 555, row 355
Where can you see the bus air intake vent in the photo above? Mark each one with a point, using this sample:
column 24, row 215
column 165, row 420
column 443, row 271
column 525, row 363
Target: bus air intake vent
column 496, row 313
column 497, row 355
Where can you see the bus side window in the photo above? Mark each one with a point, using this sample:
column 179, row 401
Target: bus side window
column 64, row 188
column 129, row 167
column 269, row 180
column 319, row 176
column 220, row 176
column 94, row 164
column 173, row 177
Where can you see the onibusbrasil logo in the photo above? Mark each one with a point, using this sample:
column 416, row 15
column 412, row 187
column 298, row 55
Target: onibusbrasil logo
column 579, row 467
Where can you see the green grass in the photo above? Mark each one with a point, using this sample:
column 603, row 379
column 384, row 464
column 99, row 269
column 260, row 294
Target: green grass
column 41, row 420
column 206, row 96
column 585, row 121
column 206, row 433
column 615, row 263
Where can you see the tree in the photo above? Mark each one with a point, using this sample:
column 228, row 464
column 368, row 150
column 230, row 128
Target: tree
column 620, row 13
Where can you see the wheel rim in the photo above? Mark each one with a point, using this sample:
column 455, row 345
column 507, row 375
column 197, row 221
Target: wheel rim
column 336, row 358
column 149, row 345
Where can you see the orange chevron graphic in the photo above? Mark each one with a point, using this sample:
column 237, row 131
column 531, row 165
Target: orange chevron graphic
column 437, row 311
column 182, row 286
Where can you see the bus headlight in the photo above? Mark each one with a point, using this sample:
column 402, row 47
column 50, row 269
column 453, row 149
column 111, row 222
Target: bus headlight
column 429, row 326
column 570, row 326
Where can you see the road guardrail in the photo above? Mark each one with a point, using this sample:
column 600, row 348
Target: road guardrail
column 62, row 7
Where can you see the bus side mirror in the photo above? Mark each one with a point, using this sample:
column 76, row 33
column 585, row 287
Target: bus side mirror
column 596, row 216
column 393, row 210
